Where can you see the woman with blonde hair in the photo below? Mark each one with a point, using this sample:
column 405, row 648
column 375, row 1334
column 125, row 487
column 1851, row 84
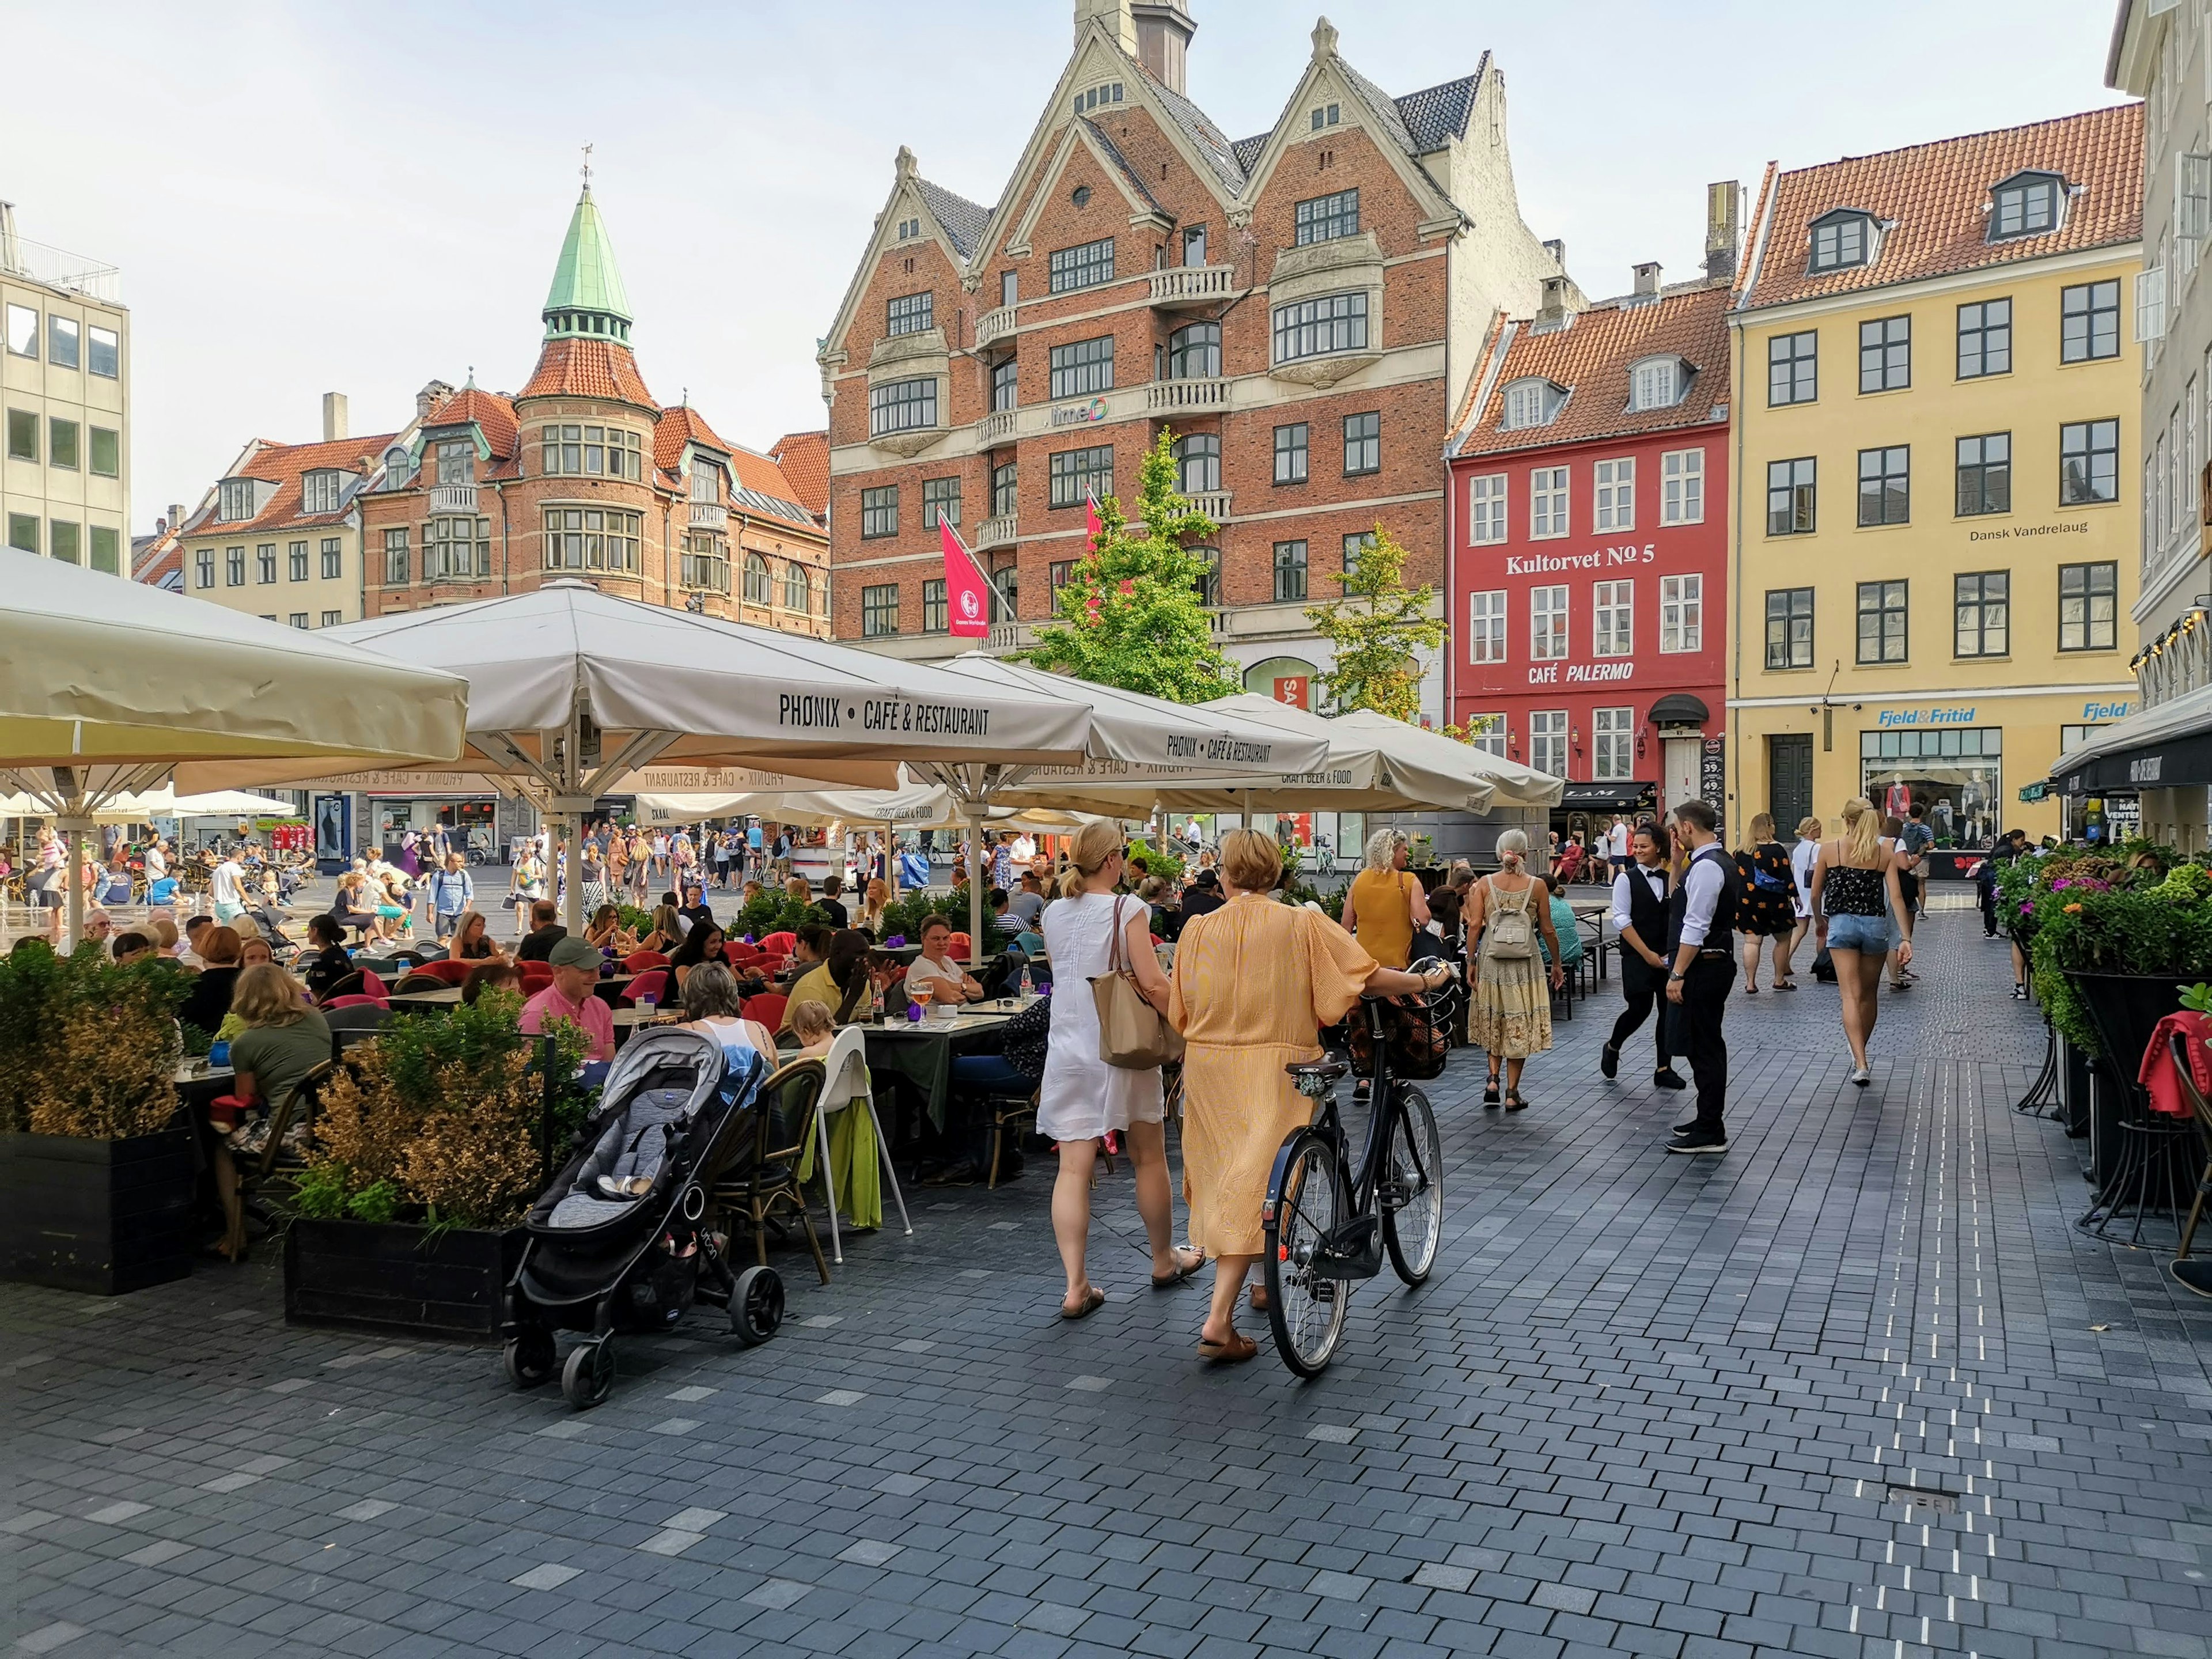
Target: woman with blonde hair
column 1092, row 933
column 1510, row 1008
column 1768, row 908
column 1385, row 905
column 472, row 941
column 1802, row 857
column 873, row 904
column 1254, row 983
column 284, row 1040
column 1854, row 880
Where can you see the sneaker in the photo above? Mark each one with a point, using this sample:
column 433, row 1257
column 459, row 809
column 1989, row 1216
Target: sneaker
column 1684, row 1126
column 1695, row 1140
column 1861, row 1077
column 1608, row 1061
column 1668, row 1077
column 2020, row 993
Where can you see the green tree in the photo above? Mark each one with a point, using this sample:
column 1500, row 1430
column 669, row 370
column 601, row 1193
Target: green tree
column 1131, row 615
column 1377, row 625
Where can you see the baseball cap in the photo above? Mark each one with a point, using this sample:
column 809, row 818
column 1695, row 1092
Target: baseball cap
column 574, row 952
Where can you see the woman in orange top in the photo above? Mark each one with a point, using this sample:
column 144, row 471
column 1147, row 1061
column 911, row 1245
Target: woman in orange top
column 1385, row 905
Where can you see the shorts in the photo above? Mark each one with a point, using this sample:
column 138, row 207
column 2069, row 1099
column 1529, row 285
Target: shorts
column 1869, row 934
column 227, row 913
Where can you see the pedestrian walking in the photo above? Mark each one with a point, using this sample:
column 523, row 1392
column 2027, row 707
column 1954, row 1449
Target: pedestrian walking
column 1854, row 879
column 1769, row 906
column 1617, row 844
column 1701, row 919
column 226, row 888
column 1384, row 906
column 1509, row 1011
column 1802, row 857
column 529, row 887
column 453, row 891
column 1639, row 918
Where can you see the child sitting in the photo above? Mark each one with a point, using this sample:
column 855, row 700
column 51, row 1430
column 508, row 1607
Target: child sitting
column 812, row 1024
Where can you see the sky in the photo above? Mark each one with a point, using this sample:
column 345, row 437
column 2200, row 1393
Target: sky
column 304, row 198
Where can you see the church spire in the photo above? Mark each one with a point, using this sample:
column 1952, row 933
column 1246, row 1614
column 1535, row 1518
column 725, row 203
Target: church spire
column 587, row 299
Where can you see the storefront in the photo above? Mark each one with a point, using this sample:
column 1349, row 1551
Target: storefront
column 1588, row 810
column 1954, row 774
column 2148, row 774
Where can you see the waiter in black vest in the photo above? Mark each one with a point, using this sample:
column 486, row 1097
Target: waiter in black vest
column 1639, row 917
column 1701, row 945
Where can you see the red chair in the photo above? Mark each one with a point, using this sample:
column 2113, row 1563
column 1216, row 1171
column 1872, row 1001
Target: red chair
column 959, row 947
column 766, row 1008
column 638, row 960
column 372, row 987
column 536, row 977
column 738, row 954
column 447, row 973
column 653, row 982
column 779, row 944
column 356, row 1002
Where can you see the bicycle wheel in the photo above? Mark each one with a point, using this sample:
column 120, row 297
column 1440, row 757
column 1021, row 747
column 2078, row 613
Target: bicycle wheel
column 1308, row 1198
column 1411, row 1192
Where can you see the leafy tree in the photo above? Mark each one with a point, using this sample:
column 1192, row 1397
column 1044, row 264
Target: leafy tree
column 1131, row 615
column 1377, row 625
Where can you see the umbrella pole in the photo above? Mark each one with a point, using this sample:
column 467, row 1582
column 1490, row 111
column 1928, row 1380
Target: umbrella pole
column 976, row 865
column 567, row 816
column 71, row 828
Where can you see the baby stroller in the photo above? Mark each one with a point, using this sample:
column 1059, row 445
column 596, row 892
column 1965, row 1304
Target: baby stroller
column 616, row 1242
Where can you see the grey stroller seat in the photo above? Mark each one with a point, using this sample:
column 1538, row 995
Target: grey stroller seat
column 632, row 1147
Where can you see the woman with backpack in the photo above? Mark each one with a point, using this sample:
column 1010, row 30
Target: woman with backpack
column 1509, row 1012
column 1769, row 907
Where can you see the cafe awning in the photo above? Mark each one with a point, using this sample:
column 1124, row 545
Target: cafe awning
column 2166, row 746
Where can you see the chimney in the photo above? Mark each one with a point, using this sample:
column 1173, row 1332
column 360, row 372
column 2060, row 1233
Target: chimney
column 1723, row 229
column 1647, row 276
column 428, row 398
column 334, row 417
column 1119, row 17
column 176, row 515
column 1554, row 309
column 1164, row 32
column 1558, row 249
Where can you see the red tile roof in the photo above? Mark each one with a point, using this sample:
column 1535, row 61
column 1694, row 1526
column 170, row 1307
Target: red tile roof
column 1591, row 358
column 494, row 413
column 678, row 426
column 1938, row 195
column 285, row 465
column 570, row 367
column 805, row 458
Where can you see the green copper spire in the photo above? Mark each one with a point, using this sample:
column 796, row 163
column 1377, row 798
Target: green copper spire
column 588, row 298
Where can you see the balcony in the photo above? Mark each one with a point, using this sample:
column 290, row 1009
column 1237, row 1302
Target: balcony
column 1214, row 503
column 58, row 268
column 996, row 427
column 1187, row 394
column 454, row 498
column 995, row 532
column 994, row 325
column 1010, row 636
column 1182, row 287
column 709, row 515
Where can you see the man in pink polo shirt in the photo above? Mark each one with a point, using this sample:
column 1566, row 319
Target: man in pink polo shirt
column 570, row 996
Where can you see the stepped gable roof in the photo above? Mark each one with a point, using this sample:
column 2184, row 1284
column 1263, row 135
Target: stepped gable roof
column 573, row 366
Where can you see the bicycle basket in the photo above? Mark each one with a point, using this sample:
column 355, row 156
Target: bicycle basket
column 1418, row 1043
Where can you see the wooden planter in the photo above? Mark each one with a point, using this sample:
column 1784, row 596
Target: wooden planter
column 390, row 1276
column 102, row 1216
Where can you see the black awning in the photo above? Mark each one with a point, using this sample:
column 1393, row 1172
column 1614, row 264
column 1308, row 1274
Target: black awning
column 1607, row 797
column 2183, row 761
column 1679, row 708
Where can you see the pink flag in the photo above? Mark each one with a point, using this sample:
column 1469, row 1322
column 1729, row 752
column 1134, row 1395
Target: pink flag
column 1092, row 524
column 967, row 594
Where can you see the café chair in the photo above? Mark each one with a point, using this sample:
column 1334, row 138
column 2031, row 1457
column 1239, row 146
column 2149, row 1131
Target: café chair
column 784, row 1115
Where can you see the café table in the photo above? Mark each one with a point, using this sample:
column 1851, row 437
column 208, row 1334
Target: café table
column 445, row 996
column 922, row 1051
column 1590, row 915
column 628, row 1020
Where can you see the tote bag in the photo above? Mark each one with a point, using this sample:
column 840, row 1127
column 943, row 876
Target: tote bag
column 1132, row 1033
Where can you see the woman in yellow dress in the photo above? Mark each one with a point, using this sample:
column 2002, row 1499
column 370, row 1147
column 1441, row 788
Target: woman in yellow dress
column 1254, row 982
column 1385, row 906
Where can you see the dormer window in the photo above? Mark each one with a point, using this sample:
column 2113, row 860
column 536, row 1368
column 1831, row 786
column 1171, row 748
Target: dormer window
column 398, row 465
column 1843, row 240
column 320, row 492
column 1532, row 402
column 1091, row 97
column 457, row 461
column 1325, row 116
column 706, row 479
column 236, row 504
column 2026, row 205
column 1657, row 383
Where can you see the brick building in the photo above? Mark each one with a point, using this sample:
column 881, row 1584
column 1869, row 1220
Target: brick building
column 583, row 473
column 1304, row 308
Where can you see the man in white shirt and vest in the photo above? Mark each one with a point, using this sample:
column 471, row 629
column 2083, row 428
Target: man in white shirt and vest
column 1701, row 950
column 1639, row 919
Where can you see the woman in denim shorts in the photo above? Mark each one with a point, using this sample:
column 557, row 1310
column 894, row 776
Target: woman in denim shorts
column 1859, row 906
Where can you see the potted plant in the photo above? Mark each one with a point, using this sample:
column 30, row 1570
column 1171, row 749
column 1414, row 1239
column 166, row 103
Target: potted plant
column 429, row 1149
column 96, row 1185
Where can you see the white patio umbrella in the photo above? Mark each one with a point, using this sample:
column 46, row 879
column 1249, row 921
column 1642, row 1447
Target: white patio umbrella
column 106, row 686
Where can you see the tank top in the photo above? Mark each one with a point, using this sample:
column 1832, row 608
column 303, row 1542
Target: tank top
column 1384, row 915
column 1851, row 892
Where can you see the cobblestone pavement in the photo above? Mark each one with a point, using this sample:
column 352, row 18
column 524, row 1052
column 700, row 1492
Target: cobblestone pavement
column 1647, row 1404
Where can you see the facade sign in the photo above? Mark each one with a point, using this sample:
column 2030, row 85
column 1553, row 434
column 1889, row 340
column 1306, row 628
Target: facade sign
column 1712, row 777
column 1293, row 690
column 1083, row 414
column 1889, row 719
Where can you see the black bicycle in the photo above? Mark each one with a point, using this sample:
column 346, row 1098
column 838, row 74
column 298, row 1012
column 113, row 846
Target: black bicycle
column 1327, row 1224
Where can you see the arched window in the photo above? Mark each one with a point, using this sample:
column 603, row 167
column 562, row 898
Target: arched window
column 1531, row 401
column 755, row 580
column 1195, row 352
column 1197, row 464
column 797, row 590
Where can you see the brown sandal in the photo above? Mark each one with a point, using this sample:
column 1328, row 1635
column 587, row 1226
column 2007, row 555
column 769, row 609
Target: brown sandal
column 1235, row 1351
column 1090, row 1305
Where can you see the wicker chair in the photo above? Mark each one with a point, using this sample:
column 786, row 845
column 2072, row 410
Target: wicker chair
column 767, row 1184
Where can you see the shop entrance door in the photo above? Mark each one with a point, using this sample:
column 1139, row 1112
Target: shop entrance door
column 1679, row 783
column 1788, row 781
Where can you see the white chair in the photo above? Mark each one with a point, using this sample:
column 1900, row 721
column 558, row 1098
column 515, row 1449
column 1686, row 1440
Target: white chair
column 846, row 1069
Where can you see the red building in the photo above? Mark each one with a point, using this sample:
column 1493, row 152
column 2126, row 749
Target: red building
column 1589, row 532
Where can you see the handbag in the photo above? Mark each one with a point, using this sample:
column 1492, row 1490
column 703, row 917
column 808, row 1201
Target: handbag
column 1133, row 1035
column 1509, row 935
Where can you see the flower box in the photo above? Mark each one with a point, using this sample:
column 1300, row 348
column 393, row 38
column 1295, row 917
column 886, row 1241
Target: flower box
column 103, row 1216
column 395, row 1277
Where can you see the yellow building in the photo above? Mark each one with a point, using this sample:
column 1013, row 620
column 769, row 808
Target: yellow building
column 1937, row 457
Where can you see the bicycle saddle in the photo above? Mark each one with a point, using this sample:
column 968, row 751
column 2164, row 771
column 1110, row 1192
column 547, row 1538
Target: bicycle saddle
column 1314, row 1077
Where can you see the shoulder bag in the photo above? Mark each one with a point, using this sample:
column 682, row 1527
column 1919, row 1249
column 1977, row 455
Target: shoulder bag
column 1133, row 1035
column 1509, row 935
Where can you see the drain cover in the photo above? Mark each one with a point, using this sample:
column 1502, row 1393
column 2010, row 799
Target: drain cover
column 1925, row 1499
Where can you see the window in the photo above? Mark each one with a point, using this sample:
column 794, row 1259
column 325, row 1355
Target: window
column 1886, row 485
column 62, row 340
column 880, row 513
column 1613, row 489
column 1792, row 368
column 1789, row 489
column 1326, row 218
column 1083, row 367
column 1985, row 339
column 936, row 616
column 2088, row 602
column 62, row 442
column 1547, row 623
column 1005, row 385
column 1004, row 492
column 296, row 561
column 105, row 447
column 1197, row 464
column 1485, row 510
column 457, row 460
column 909, row 313
column 903, row 406
column 64, row 541
column 1982, row 610
column 457, row 548
column 22, row 434
column 1084, row 266
column 333, row 558
column 1009, row 287
column 941, row 502
column 105, row 544
column 1060, row 572
column 105, row 357
column 578, row 538
column 1985, row 474
column 23, row 536
column 1886, row 355
column 319, row 491
column 1655, row 385
column 1840, row 241
column 1355, row 544
column 1485, row 734
column 1530, row 402
column 703, row 565
column 1681, row 613
column 1290, row 454
column 332, row 618
column 395, row 556
column 1193, row 245
column 879, row 611
column 1547, row 502
column 203, row 567
column 757, row 580
column 1195, row 352
column 573, row 451
column 1312, row 328
column 1290, row 571
column 2089, row 322
column 706, row 479
column 1547, row 741
column 909, row 229
column 1107, row 93
column 1077, row 474
column 1325, row 116
column 1486, row 626
column 1682, row 487
column 300, row 619
column 1363, row 444
column 1614, row 616
column 22, row 331
column 1207, row 582
column 2025, row 207
column 1612, row 743
column 234, row 566
column 2088, row 462
column 1881, row 621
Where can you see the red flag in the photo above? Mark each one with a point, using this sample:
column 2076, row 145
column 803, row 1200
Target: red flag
column 1093, row 525
column 967, row 593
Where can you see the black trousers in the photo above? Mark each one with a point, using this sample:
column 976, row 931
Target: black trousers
column 1642, row 1000
column 1988, row 909
column 1705, row 999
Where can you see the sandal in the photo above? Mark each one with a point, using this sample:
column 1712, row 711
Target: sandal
column 1514, row 1103
column 1090, row 1305
column 1181, row 1272
column 1489, row 1092
column 1751, row 990
column 1258, row 1297
column 1785, row 985
column 1235, row 1351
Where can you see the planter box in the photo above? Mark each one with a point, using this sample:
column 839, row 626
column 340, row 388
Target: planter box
column 382, row 1276
column 103, row 1216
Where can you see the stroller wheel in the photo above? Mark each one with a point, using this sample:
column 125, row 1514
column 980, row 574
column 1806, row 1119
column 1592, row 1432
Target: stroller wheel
column 589, row 1376
column 530, row 1358
column 755, row 1306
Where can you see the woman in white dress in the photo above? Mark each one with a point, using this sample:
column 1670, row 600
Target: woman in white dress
column 1083, row 1096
